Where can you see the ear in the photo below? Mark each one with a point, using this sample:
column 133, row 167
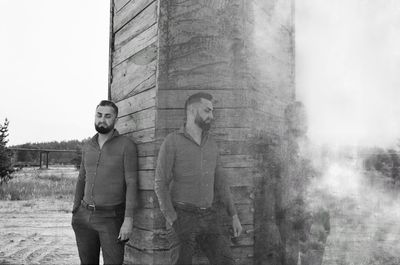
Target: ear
column 192, row 109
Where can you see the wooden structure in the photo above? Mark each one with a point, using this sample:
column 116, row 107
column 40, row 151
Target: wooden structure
column 162, row 51
column 44, row 151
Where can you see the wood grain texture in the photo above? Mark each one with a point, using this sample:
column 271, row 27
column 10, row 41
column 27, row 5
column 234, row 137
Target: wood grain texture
column 128, row 11
column 171, row 99
column 132, row 77
column 137, row 103
column 148, row 219
column 137, row 121
column 143, row 136
column 137, row 25
column 135, row 256
column 118, row 4
column 143, row 40
column 147, row 199
column 146, row 179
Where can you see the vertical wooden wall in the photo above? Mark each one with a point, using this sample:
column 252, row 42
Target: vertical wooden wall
column 133, row 88
column 241, row 52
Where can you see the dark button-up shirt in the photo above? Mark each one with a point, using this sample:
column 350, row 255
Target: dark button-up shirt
column 108, row 176
column 189, row 173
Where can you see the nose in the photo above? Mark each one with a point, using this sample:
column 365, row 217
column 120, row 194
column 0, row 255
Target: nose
column 211, row 115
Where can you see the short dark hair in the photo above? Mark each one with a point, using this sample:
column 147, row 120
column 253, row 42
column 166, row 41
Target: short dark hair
column 110, row 104
column 197, row 98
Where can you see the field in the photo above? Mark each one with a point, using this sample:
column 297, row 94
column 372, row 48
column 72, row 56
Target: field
column 35, row 217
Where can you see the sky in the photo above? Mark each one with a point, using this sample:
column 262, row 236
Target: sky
column 348, row 70
column 54, row 68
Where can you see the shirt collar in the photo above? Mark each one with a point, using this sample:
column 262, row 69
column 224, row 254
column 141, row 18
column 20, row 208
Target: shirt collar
column 96, row 136
column 204, row 135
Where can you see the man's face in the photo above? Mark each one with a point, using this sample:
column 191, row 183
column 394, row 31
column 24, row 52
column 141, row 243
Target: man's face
column 105, row 119
column 204, row 115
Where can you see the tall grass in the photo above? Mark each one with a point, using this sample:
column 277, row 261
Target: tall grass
column 33, row 185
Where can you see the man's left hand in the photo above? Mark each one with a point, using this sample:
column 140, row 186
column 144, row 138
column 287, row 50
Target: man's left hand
column 236, row 225
column 126, row 229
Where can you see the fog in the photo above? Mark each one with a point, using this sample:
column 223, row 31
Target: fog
column 347, row 70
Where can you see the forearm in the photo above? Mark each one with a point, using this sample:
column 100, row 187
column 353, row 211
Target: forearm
column 163, row 177
column 131, row 196
column 79, row 191
column 164, row 199
column 80, row 187
column 131, row 179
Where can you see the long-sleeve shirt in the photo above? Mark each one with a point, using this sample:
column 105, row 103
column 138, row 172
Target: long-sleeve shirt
column 190, row 173
column 108, row 176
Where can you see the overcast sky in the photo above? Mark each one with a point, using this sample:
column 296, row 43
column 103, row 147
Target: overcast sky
column 348, row 69
column 54, row 68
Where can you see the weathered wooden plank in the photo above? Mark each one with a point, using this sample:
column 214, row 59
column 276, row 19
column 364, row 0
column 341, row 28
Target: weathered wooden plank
column 147, row 199
column 238, row 161
column 143, row 40
column 132, row 77
column 229, row 134
column 146, row 179
column 143, row 136
column 148, row 219
column 172, row 118
column 146, row 163
column 242, row 194
column 146, row 149
column 129, row 11
column 227, row 161
column 245, row 213
column 145, row 239
column 243, row 255
column 161, row 239
column 137, row 25
column 227, row 147
column 242, row 176
column 137, row 103
column 118, row 4
column 137, row 121
column 172, row 99
column 135, row 256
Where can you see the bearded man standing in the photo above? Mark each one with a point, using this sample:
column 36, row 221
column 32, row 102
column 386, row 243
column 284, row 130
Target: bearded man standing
column 106, row 191
column 189, row 182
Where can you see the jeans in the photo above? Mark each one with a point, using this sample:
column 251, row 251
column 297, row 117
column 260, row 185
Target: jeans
column 95, row 229
column 202, row 228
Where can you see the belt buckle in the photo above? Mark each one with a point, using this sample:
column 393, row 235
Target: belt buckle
column 92, row 206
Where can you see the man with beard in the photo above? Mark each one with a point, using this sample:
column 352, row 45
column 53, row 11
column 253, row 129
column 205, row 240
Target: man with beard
column 105, row 195
column 189, row 183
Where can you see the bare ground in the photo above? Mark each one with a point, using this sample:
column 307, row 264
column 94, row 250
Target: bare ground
column 37, row 231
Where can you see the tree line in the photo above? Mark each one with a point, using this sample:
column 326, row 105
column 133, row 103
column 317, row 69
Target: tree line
column 33, row 157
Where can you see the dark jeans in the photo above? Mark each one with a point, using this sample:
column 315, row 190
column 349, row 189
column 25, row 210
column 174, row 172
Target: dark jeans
column 95, row 229
column 202, row 228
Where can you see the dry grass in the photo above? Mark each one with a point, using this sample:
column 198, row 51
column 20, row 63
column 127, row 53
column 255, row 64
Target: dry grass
column 34, row 184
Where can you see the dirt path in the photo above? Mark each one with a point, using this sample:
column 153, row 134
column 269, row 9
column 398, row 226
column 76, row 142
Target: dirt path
column 37, row 232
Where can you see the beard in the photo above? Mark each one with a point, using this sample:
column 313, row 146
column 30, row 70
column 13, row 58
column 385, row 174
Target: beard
column 103, row 129
column 204, row 125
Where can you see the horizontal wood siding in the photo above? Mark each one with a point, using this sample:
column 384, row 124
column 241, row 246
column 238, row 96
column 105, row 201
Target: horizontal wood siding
column 134, row 89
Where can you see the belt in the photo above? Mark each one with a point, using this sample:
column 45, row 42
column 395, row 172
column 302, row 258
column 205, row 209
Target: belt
column 191, row 207
column 92, row 207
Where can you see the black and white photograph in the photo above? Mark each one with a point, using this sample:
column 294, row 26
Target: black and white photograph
column 220, row 132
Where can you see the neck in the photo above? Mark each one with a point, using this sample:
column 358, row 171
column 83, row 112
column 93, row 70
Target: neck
column 194, row 130
column 104, row 136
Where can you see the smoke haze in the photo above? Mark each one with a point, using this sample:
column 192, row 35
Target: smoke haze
column 347, row 70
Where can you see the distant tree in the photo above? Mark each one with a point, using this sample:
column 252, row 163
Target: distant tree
column 5, row 154
column 395, row 164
